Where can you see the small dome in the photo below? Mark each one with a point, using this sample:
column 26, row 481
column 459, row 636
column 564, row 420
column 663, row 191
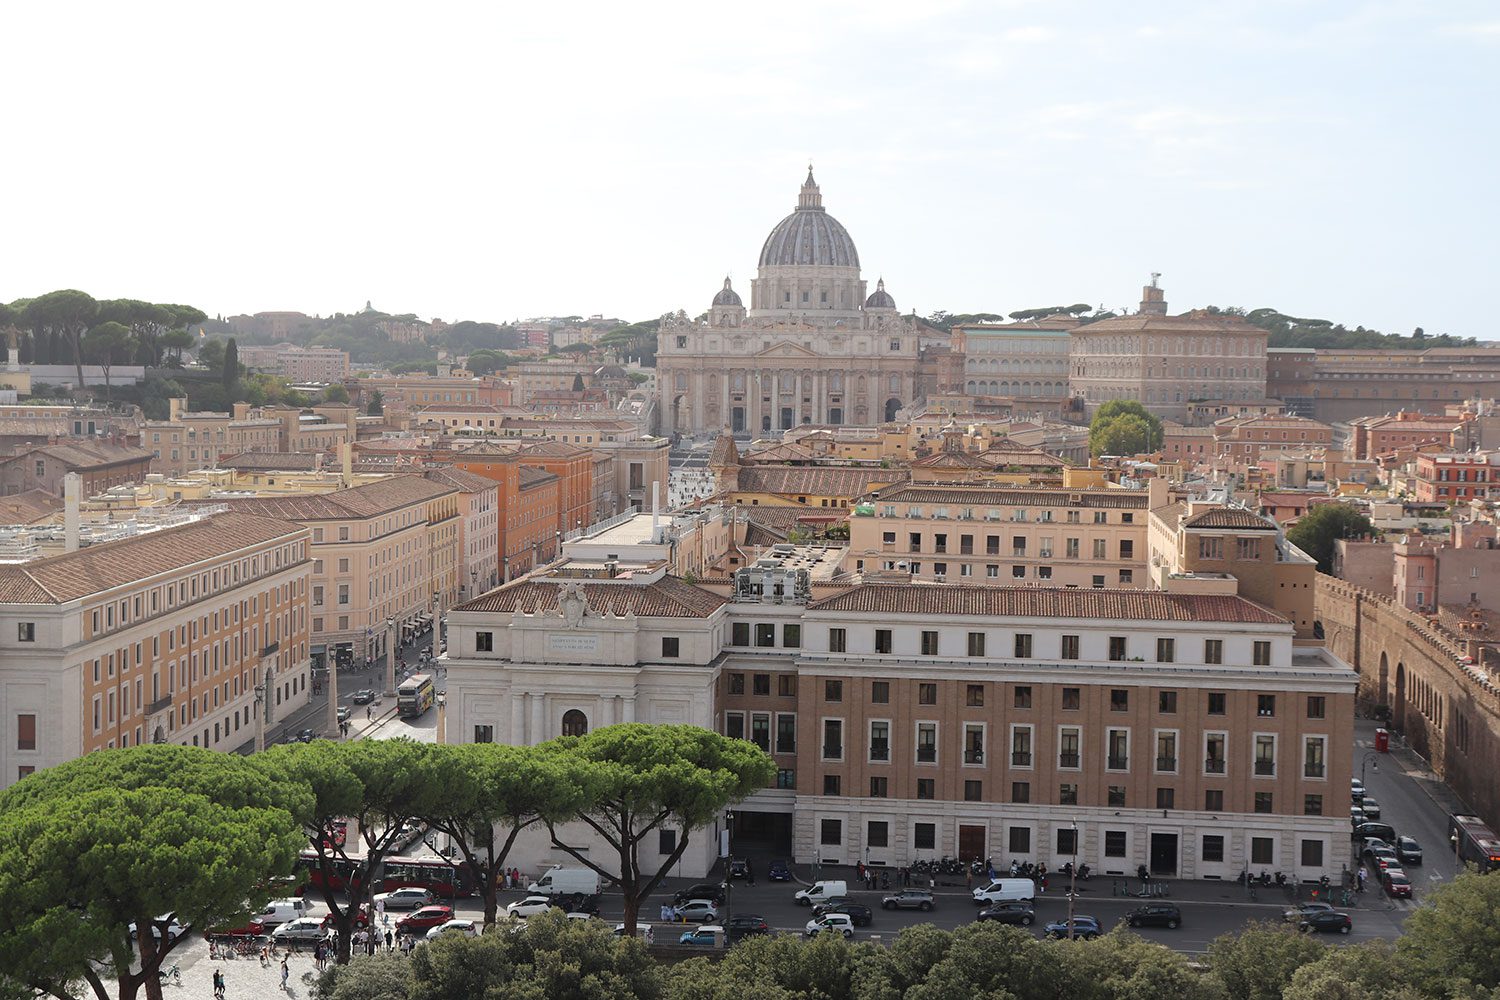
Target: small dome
column 880, row 298
column 727, row 296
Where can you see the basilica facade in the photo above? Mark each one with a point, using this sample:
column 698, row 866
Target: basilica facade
column 813, row 348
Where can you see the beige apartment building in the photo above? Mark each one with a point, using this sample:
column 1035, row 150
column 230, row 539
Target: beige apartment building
column 478, row 567
column 165, row 637
column 998, row 536
column 189, row 439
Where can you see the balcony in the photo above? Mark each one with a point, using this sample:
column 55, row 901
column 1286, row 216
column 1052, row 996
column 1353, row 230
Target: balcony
column 159, row 705
column 833, row 752
column 1067, row 760
column 1020, row 758
column 941, row 548
column 973, row 756
column 1265, row 768
column 1118, row 763
column 1168, row 764
column 1313, row 771
column 1019, row 552
column 880, row 751
column 966, row 550
column 1213, row 765
column 926, row 755
column 992, row 550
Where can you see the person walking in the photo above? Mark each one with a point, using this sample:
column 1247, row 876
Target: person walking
column 650, row 937
column 286, row 971
column 218, row 984
column 390, row 941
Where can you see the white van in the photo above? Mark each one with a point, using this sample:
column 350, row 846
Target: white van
column 1006, row 890
column 559, row 881
column 820, row 891
column 278, row 912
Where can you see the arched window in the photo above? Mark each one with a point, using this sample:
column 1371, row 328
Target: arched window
column 575, row 723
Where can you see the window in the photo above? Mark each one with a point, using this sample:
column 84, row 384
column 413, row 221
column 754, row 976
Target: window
column 1210, row 548
column 882, row 640
column 1265, row 706
column 1312, row 805
column 786, row 685
column 1119, row 699
column 831, row 784
column 1263, row 802
column 1265, row 755
column 484, row 642
column 1068, row 740
column 1100, row 551
column 1071, row 698
column 1213, row 847
column 736, row 683
column 833, row 690
column 1213, row 800
column 1117, row 647
column 929, row 643
column 1262, row 653
column 926, row 742
column 791, row 636
column 740, row 634
column 26, row 631
column 1312, row 853
column 1216, row 703
column 1314, row 763
column 831, row 832
column 926, row 788
column 878, row 788
column 669, row 646
column 574, row 723
column 765, row 634
column 1166, row 702
column 484, row 734
column 1020, row 791
column 1247, row 548
column 1213, row 747
column 974, row 696
column 786, row 733
column 976, row 643
column 924, row 836
column 1067, row 795
column 1067, row 841
column 1018, row 572
column 880, row 692
column 837, row 640
column 1165, row 797
column 26, row 732
column 833, row 739
column 1118, row 750
column 1166, row 751
column 927, row 694
column 1316, row 706
column 1023, row 645
column 1166, row 650
column 1020, row 840
column 1262, row 850
column 1114, row 843
column 973, row 791
column 734, row 725
column 880, row 740
column 1213, row 650
column 1098, row 581
column 666, row 842
column 1023, row 696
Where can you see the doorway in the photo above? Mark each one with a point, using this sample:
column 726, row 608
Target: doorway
column 971, row 843
column 737, row 419
column 1164, row 854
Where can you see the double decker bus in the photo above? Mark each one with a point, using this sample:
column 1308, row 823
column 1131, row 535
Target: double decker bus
column 1475, row 843
column 415, row 696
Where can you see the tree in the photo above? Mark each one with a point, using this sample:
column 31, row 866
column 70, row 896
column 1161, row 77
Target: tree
column 66, row 315
column 1258, row 963
column 336, row 393
column 780, row 968
column 177, row 341
column 1365, row 971
column 1456, row 936
column 1316, row 531
column 377, row 404
column 211, row 355
column 638, row 779
column 480, row 786
column 1140, row 430
column 382, row 976
column 231, row 371
column 376, row 783
column 141, row 835
column 105, row 343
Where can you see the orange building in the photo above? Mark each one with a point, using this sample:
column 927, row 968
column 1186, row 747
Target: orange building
column 573, row 466
column 528, row 500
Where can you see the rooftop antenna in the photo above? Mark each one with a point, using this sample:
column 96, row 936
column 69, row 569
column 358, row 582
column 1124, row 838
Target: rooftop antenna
column 1154, row 275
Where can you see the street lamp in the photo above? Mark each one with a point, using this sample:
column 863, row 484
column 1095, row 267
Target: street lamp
column 1370, row 759
column 390, row 652
column 728, row 858
column 1072, row 879
column 437, row 625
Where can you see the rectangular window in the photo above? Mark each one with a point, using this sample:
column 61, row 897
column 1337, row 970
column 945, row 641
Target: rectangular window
column 786, row 733
column 1263, row 802
column 976, row 643
column 736, row 683
column 1070, row 647
column 1213, row 650
column 882, row 640
column 761, row 684
column 1262, row 653
column 786, row 685
column 1210, row 548
column 1265, row 705
column 1071, row 697
column 1166, row 702
column 1166, row 650
column 1262, row 850
column 786, row 777
column 1114, row 843
column 1023, row 645
column 734, row 725
column 1067, row 841
column 1265, row 755
column 880, row 740
column 666, row 842
column 973, row 791
column 1312, row 805
column 765, row 634
column 1119, row 750
column 833, row 690
column 1020, row 840
column 1312, row 853
column 1020, row 746
column 1119, row 699
column 1166, row 752
column 739, row 634
column 1213, row 847
column 831, row 832
column 837, row 640
column 1314, row 757
column 833, row 739
column 927, row 694
column 929, row 643
column 1316, row 706
column 791, row 636
column 1116, row 796
column 924, row 836
column 669, row 646
column 26, row 732
column 1117, row 647
column 831, row 784
column 484, row 734
column 1165, row 797
column 1069, row 739
column 1020, row 791
column 1217, row 703
column 878, row 788
column 927, row 743
column 1067, row 795
column 26, row 631
column 880, row 692
column 1023, row 696
column 1213, row 800
column 760, row 730
column 484, row 642
column 1213, row 747
column 926, row 788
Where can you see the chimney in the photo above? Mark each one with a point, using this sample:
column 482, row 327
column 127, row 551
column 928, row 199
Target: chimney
column 655, row 520
column 241, row 411
column 317, row 461
column 72, row 483
column 346, row 455
column 1154, row 297
column 1156, row 493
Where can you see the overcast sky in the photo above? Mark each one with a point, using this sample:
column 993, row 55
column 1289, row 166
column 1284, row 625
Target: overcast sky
column 494, row 161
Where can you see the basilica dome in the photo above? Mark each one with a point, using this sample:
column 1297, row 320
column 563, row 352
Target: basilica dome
column 880, row 299
column 727, row 296
column 809, row 236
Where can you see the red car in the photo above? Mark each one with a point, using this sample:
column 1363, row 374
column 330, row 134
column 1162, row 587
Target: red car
column 423, row 919
column 361, row 918
column 1396, row 883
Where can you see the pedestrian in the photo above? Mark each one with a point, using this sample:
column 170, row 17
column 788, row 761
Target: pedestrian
column 370, row 945
column 218, row 984
column 650, row 937
column 390, row 941
column 968, row 879
column 859, row 870
column 369, row 713
column 286, row 971
column 664, row 916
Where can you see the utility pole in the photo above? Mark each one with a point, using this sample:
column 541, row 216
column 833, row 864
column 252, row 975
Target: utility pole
column 1072, row 880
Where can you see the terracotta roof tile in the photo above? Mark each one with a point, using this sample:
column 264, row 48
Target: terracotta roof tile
column 271, row 461
column 367, row 500
column 461, row 479
column 1229, row 517
column 668, row 597
column 29, row 507
column 979, row 496
column 80, row 454
column 1036, row 602
column 805, row 480
column 529, row 476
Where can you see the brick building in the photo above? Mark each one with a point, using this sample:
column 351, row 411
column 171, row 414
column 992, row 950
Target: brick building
column 100, row 464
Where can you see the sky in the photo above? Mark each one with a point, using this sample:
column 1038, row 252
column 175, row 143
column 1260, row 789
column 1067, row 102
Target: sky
column 500, row 161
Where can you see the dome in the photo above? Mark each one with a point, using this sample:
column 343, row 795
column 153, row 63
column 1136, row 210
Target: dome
column 727, row 296
column 809, row 236
column 880, row 298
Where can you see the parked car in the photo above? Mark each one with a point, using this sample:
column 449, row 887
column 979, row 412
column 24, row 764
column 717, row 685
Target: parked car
column 1326, row 922
column 1356, row 789
column 1381, row 857
column 1397, row 883
column 704, row 936
column 859, row 913
column 1356, row 817
column 1381, row 831
column 1371, row 808
column 529, row 906
column 361, row 918
column 363, row 696
column 1155, row 915
column 743, row 925
column 306, row 735
column 779, row 871
column 1009, row 913
column 698, row 911
column 908, row 899
column 739, row 868
column 576, row 902
column 403, row 899
column 1408, row 850
column 703, row 890
column 458, row 925
column 344, row 712
column 301, row 929
column 1087, row 928
column 424, row 918
column 1296, row 913
column 174, row 929
column 830, row 923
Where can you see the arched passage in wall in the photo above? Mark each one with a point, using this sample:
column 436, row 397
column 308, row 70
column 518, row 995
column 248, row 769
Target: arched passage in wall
column 1384, row 691
column 1398, row 705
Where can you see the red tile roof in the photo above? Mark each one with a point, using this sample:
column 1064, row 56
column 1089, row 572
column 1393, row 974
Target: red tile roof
column 980, row 496
column 367, row 500
column 814, row 481
column 461, row 479
column 668, row 597
column 1036, row 602
column 1229, row 517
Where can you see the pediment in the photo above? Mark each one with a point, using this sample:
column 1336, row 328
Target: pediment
column 786, row 349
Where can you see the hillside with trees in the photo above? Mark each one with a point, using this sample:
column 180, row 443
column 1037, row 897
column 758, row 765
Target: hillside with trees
column 1296, row 331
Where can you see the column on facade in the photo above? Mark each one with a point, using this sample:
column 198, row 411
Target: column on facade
column 775, row 400
column 538, row 720
column 630, row 708
column 726, row 412
column 518, row 719
column 820, row 397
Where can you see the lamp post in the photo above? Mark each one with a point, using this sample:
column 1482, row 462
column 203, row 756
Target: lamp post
column 437, row 626
column 1072, row 879
column 728, row 857
column 333, row 696
column 390, row 653
column 1370, row 759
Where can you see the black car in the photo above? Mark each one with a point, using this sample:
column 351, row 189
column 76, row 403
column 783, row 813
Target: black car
column 576, row 902
column 1009, row 913
column 739, row 868
column 363, row 696
column 743, row 925
column 859, row 914
column 1327, row 922
column 1384, row 831
column 1155, row 915
column 1408, row 850
column 703, row 890
column 306, row 736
